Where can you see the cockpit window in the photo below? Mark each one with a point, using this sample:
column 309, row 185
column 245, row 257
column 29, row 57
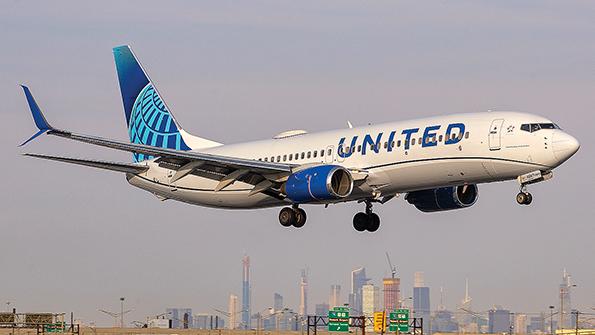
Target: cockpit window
column 533, row 127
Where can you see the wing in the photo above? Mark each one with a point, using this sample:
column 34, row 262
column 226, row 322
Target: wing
column 226, row 169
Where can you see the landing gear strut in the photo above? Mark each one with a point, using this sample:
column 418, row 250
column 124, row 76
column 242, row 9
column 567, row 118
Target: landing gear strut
column 292, row 216
column 524, row 197
column 366, row 221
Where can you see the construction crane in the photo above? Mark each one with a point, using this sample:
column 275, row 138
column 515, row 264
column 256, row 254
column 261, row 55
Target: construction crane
column 393, row 269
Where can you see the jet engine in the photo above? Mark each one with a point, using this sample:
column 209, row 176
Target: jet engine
column 443, row 198
column 323, row 182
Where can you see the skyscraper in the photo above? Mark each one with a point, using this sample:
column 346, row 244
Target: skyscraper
column 370, row 299
column 233, row 311
column 303, row 294
column 498, row 320
column 565, row 302
column 246, row 310
column 180, row 317
column 392, row 293
column 421, row 297
column 335, row 296
column 358, row 279
column 520, row 323
column 277, row 302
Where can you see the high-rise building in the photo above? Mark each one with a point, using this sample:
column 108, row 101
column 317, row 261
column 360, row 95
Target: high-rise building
column 537, row 324
column 277, row 302
column 565, row 302
column 421, row 298
column 181, row 318
column 233, row 311
column 370, row 299
column 520, row 323
column 392, row 293
column 303, row 294
column 246, row 310
column 444, row 322
column 335, row 296
column 207, row 321
column 498, row 320
column 358, row 279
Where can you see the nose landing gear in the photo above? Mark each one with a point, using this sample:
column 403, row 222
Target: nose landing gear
column 292, row 216
column 524, row 197
column 366, row 221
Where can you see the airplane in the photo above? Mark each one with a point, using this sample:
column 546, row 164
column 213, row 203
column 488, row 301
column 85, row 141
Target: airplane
column 436, row 162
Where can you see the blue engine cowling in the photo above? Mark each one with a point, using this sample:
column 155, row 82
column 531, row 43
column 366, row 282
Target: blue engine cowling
column 443, row 198
column 323, row 182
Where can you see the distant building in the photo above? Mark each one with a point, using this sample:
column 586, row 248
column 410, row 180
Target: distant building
column 370, row 301
column 159, row 323
column 536, row 324
column 208, row 321
column 233, row 311
column 181, row 318
column 335, row 296
column 358, row 279
column 444, row 322
column 392, row 293
column 303, row 294
column 421, row 298
column 277, row 302
column 322, row 309
column 520, row 324
column 499, row 321
column 246, row 310
column 565, row 302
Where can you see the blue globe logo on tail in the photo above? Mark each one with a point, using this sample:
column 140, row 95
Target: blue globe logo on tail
column 151, row 124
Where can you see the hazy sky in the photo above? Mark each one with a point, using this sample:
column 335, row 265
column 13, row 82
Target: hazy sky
column 76, row 239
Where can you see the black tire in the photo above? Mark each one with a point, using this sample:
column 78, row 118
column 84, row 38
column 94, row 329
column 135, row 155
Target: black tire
column 286, row 217
column 360, row 221
column 300, row 217
column 373, row 222
column 529, row 199
column 521, row 198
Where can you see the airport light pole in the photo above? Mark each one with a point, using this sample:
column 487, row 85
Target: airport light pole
column 122, row 312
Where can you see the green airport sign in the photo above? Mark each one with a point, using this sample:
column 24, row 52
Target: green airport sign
column 399, row 320
column 338, row 319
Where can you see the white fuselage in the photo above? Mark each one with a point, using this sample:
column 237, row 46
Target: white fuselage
column 493, row 147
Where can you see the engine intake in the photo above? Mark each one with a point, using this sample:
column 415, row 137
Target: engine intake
column 444, row 198
column 323, row 182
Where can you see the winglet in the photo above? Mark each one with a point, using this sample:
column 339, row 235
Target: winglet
column 40, row 121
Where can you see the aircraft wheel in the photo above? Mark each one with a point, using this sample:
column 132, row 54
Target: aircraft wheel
column 360, row 221
column 300, row 218
column 373, row 222
column 521, row 198
column 287, row 217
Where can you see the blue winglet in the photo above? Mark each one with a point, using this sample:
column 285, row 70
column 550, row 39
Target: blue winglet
column 40, row 121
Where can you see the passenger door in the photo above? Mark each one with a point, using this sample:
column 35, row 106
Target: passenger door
column 495, row 138
column 329, row 158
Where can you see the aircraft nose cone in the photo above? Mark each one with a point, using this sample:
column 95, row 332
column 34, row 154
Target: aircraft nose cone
column 564, row 146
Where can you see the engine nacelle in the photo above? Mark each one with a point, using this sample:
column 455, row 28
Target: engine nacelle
column 443, row 198
column 323, row 182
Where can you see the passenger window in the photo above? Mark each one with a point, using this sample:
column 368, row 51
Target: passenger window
column 392, row 144
column 398, row 143
column 330, row 152
column 467, row 135
column 303, row 155
column 308, row 154
column 321, row 153
column 284, row 158
column 406, row 143
column 290, row 156
column 460, row 136
column 454, row 136
column 385, row 145
column 266, row 159
column 272, row 158
column 359, row 148
column 315, row 153
column 278, row 159
column 413, row 142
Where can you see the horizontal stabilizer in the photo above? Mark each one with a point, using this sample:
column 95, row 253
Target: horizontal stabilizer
column 113, row 166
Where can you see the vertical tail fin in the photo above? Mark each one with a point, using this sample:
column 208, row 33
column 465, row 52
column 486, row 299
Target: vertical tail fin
column 149, row 120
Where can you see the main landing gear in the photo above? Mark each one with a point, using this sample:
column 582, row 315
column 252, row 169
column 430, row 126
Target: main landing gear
column 524, row 197
column 366, row 221
column 292, row 216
